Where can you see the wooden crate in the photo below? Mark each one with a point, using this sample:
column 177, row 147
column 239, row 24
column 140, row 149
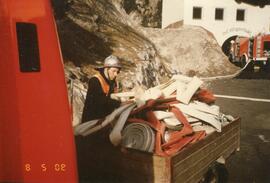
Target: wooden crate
column 188, row 165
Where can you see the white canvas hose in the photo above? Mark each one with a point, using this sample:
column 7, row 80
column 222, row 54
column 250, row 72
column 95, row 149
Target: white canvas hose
column 109, row 119
column 226, row 76
column 115, row 135
column 138, row 136
column 235, row 97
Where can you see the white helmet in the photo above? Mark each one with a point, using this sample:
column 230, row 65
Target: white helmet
column 112, row 61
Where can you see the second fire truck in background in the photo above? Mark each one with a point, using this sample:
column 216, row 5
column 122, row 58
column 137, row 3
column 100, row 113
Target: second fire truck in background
column 255, row 50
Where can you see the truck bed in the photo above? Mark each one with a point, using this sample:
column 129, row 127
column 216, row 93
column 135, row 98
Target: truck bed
column 188, row 165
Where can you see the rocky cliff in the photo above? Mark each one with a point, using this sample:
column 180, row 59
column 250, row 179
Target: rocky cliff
column 90, row 30
column 144, row 12
column 190, row 50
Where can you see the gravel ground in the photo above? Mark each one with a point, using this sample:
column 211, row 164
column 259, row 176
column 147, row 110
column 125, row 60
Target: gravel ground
column 252, row 163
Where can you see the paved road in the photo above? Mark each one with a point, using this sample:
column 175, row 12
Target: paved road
column 252, row 163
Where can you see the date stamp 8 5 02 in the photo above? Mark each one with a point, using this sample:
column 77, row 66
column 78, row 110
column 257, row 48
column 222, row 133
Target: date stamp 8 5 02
column 58, row 167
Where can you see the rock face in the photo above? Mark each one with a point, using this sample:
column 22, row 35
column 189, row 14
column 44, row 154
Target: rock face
column 144, row 12
column 90, row 30
column 190, row 50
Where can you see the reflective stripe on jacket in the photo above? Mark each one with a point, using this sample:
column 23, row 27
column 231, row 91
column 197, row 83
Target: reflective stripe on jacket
column 105, row 86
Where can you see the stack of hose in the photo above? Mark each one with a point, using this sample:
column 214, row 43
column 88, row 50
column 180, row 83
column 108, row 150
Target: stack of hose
column 145, row 132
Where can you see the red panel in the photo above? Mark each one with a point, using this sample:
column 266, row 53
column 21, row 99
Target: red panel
column 266, row 37
column 243, row 46
column 36, row 138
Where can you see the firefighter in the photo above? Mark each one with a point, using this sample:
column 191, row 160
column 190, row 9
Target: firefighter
column 232, row 51
column 99, row 103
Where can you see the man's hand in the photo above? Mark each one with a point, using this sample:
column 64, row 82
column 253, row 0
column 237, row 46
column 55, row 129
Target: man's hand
column 127, row 102
column 125, row 96
column 115, row 97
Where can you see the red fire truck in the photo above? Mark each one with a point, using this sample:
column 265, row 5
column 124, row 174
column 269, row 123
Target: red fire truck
column 255, row 50
column 36, row 135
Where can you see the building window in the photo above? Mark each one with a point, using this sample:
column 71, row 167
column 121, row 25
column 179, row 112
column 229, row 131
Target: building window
column 240, row 15
column 219, row 14
column 197, row 13
column 28, row 47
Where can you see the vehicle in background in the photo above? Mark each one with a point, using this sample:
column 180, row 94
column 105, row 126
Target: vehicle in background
column 254, row 50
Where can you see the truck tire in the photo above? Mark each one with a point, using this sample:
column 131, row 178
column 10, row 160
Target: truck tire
column 250, row 66
column 230, row 57
column 218, row 173
column 267, row 65
column 243, row 61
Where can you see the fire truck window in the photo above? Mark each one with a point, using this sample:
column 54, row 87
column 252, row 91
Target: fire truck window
column 266, row 46
column 197, row 13
column 219, row 14
column 28, row 47
column 240, row 15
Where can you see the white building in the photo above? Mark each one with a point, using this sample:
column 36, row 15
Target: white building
column 224, row 18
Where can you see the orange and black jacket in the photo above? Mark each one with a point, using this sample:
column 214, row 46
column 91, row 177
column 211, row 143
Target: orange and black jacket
column 98, row 103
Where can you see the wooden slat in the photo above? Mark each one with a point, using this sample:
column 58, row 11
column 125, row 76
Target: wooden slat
column 201, row 165
column 196, row 155
column 194, row 163
column 197, row 176
column 210, row 138
column 142, row 167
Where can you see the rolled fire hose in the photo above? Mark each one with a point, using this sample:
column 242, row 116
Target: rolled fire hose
column 138, row 136
column 115, row 135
